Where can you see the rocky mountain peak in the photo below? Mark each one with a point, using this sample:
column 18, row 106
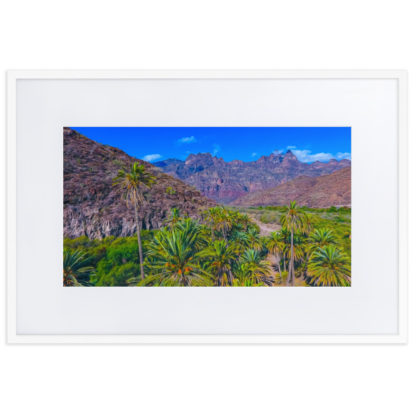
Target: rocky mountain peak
column 199, row 158
column 289, row 155
column 226, row 181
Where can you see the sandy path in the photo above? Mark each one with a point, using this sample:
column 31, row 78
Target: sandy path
column 265, row 229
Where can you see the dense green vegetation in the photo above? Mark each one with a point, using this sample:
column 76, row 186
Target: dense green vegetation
column 223, row 248
column 262, row 246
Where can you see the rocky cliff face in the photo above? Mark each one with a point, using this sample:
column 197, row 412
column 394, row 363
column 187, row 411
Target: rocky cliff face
column 227, row 181
column 319, row 192
column 94, row 207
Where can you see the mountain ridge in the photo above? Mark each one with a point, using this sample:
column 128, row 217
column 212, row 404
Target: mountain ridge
column 226, row 181
column 95, row 208
column 323, row 191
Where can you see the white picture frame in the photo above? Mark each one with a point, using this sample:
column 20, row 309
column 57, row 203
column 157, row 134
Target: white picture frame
column 13, row 210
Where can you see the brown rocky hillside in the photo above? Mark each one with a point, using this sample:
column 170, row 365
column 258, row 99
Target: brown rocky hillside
column 93, row 207
column 226, row 181
column 320, row 192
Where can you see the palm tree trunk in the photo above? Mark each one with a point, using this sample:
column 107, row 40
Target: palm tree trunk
column 139, row 240
column 284, row 262
column 293, row 272
column 278, row 266
column 230, row 278
column 291, row 275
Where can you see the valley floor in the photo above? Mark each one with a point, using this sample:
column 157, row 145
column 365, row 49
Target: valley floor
column 267, row 219
column 226, row 246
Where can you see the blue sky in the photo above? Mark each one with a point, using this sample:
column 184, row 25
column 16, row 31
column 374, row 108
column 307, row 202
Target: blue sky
column 244, row 143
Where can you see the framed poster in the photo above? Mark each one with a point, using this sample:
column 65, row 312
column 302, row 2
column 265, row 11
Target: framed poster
column 207, row 207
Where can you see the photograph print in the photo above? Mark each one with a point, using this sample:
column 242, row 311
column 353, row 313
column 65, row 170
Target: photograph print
column 207, row 206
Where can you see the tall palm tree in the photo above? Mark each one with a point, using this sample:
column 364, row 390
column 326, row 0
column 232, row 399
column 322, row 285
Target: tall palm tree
column 329, row 267
column 220, row 257
column 276, row 246
column 299, row 248
column 286, row 239
column 132, row 184
column 76, row 272
column 174, row 259
column 293, row 220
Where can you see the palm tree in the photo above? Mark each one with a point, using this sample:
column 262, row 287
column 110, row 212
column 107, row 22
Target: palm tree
column 247, row 239
column 225, row 222
column 243, row 275
column 132, row 184
column 307, row 223
column 293, row 220
column 211, row 219
column 254, row 239
column 241, row 240
column 191, row 227
column 329, row 267
column 286, row 239
column 220, row 257
column 243, row 220
column 76, row 273
column 174, row 259
column 321, row 237
column 174, row 217
column 220, row 220
column 252, row 268
column 276, row 245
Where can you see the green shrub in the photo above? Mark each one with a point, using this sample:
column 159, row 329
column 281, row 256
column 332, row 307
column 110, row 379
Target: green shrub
column 119, row 275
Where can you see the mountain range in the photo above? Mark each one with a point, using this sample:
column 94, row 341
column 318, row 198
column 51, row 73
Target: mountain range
column 95, row 208
column 227, row 182
column 318, row 192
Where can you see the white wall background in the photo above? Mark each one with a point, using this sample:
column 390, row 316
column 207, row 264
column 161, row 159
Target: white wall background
column 202, row 380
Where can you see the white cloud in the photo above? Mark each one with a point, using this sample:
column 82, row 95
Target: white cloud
column 254, row 154
column 190, row 139
column 216, row 150
column 307, row 156
column 152, row 157
column 341, row 155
